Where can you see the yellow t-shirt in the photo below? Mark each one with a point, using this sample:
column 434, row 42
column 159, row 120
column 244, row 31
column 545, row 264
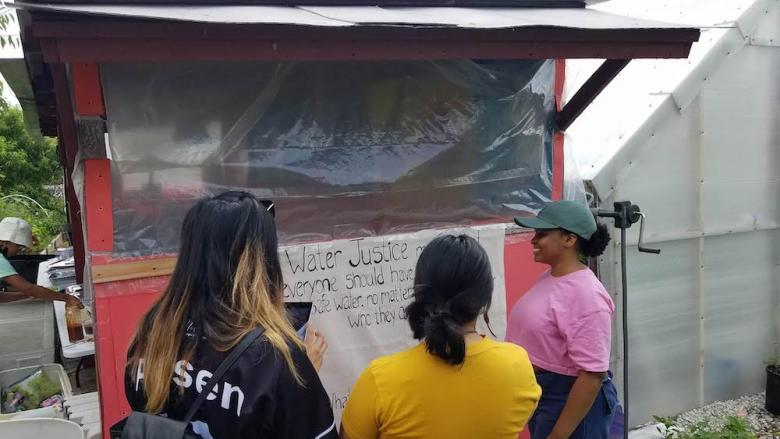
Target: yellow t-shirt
column 413, row 394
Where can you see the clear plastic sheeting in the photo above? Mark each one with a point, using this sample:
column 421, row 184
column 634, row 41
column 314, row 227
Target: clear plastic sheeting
column 739, row 312
column 344, row 149
column 663, row 326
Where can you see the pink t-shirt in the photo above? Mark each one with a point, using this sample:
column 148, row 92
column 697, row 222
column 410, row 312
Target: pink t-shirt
column 564, row 323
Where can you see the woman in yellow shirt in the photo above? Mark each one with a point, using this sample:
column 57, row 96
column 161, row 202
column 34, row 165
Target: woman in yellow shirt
column 456, row 383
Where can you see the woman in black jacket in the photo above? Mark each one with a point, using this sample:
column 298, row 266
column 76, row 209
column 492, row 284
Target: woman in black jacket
column 227, row 282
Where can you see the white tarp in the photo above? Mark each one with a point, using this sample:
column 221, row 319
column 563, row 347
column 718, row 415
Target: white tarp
column 360, row 288
column 480, row 18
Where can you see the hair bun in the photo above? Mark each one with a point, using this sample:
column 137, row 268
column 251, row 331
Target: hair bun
column 453, row 285
column 440, row 314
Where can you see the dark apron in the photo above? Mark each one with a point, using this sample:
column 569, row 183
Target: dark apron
column 555, row 391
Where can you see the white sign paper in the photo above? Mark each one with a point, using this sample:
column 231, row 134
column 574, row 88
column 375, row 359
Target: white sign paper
column 360, row 289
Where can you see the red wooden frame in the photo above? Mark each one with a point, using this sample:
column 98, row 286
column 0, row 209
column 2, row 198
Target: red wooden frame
column 97, row 211
column 91, row 40
column 590, row 39
column 558, row 151
column 87, row 94
column 81, row 50
column 68, row 145
column 88, row 101
column 97, row 200
column 117, row 308
column 118, row 304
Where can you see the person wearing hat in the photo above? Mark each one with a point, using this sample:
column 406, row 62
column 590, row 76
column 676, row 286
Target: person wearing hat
column 15, row 237
column 564, row 323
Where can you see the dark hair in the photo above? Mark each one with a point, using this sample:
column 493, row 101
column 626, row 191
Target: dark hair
column 227, row 280
column 453, row 283
column 597, row 243
column 214, row 235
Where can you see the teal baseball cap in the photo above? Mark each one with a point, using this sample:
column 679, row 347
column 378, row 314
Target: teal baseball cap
column 566, row 215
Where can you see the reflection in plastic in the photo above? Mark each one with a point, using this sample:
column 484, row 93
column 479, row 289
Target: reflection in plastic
column 343, row 148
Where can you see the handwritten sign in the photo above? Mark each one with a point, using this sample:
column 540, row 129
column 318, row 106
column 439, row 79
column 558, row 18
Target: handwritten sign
column 360, row 288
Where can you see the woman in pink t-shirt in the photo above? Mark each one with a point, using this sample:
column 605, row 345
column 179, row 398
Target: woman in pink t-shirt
column 564, row 323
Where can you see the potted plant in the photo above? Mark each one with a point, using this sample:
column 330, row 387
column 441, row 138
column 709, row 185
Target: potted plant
column 773, row 385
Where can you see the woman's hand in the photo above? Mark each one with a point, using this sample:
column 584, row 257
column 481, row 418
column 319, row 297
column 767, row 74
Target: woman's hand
column 73, row 300
column 20, row 284
column 316, row 346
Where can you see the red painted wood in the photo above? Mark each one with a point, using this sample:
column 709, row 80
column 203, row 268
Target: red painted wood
column 558, row 138
column 87, row 93
column 112, row 50
column 558, row 170
column 117, row 312
column 76, row 233
column 91, row 28
column 560, row 82
column 50, row 50
column 521, row 271
column 108, row 259
column 97, row 200
column 68, row 145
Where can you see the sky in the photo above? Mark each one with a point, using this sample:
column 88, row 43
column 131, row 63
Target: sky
column 10, row 52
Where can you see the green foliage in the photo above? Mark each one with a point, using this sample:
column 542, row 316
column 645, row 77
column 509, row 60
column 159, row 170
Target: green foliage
column 668, row 421
column 44, row 227
column 7, row 16
column 35, row 389
column 735, row 428
column 28, row 164
column 773, row 361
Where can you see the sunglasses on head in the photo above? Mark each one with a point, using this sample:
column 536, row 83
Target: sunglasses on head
column 269, row 207
column 240, row 196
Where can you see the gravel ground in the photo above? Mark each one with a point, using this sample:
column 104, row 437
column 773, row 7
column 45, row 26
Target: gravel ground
column 750, row 407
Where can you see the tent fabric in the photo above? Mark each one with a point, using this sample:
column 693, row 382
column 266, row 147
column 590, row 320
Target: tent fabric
column 341, row 16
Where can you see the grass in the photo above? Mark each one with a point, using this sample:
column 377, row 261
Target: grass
column 734, row 428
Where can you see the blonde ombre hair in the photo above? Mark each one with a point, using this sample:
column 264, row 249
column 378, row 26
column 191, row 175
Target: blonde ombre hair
column 227, row 281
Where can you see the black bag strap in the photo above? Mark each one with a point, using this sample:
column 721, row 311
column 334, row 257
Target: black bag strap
column 223, row 367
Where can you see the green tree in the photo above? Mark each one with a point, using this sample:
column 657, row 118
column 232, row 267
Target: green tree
column 8, row 16
column 28, row 164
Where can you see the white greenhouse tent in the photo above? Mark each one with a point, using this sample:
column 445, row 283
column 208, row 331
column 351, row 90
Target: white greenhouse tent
column 696, row 144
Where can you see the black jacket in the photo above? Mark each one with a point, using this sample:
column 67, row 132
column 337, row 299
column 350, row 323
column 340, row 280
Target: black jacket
column 256, row 398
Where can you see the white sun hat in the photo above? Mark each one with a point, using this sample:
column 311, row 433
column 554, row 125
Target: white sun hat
column 16, row 230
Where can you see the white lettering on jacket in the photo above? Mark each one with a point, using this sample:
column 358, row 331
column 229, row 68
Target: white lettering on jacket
column 202, row 380
column 183, row 378
column 139, row 373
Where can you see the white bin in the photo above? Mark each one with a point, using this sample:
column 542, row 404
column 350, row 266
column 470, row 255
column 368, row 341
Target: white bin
column 40, row 428
column 53, row 371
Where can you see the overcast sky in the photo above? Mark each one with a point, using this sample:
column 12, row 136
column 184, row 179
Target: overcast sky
column 10, row 52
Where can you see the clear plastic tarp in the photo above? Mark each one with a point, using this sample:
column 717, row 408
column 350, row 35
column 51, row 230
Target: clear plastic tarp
column 344, row 149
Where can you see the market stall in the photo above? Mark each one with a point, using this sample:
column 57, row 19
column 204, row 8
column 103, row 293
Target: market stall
column 372, row 129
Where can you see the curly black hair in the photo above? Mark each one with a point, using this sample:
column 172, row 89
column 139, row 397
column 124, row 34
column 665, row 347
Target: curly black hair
column 597, row 243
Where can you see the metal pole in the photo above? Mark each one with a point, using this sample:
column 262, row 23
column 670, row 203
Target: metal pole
column 624, row 283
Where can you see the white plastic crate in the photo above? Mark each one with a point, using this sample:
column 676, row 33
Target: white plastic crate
column 53, row 371
column 26, row 334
